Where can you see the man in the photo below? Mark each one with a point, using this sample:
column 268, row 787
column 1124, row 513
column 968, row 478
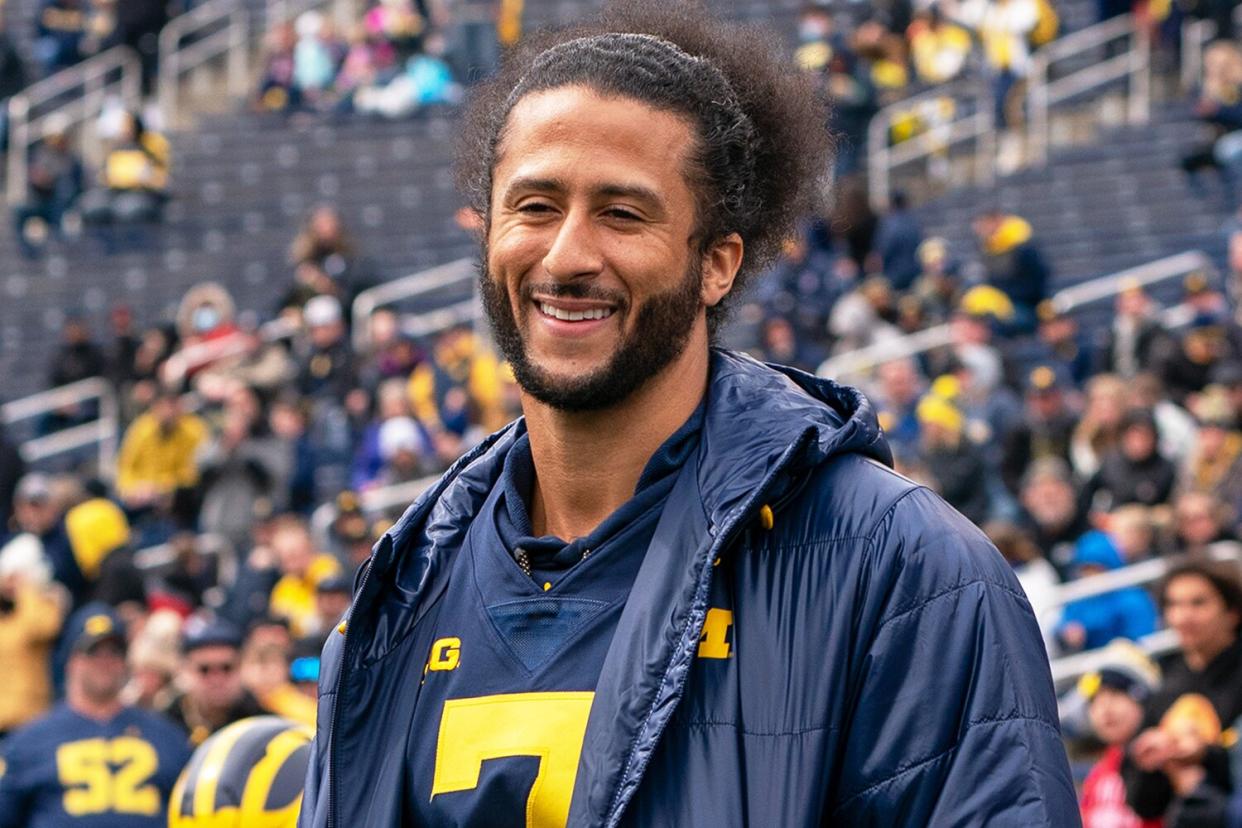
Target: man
column 92, row 762
column 158, row 456
column 301, row 569
column 211, row 675
column 1014, row 263
column 684, row 589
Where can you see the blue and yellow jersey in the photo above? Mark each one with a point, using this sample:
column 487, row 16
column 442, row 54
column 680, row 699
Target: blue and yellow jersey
column 69, row 771
column 514, row 651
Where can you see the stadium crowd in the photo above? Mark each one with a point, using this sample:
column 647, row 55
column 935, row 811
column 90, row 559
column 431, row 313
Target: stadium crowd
column 220, row 554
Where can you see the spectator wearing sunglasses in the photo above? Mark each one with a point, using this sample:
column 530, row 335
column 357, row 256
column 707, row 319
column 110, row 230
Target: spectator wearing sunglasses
column 212, row 695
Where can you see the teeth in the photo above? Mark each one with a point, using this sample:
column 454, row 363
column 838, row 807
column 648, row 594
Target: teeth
column 574, row 316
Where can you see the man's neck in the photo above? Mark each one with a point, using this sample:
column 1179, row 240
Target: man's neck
column 588, row 464
column 100, row 711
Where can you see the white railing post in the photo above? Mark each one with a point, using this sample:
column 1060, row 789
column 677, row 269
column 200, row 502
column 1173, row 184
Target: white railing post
column 985, row 115
column 1037, row 97
column 1194, row 35
column 1140, row 75
column 878, row 160
column 19, row 147
column 239, row 48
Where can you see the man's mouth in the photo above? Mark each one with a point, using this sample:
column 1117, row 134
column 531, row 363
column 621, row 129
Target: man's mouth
column 575, row 314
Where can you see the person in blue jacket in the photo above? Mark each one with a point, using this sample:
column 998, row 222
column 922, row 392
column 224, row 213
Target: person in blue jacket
column 92, row 762
column 685, row 589
column 1093, row 622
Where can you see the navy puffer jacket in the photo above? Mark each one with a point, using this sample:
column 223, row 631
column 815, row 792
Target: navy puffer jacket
column 879, row 663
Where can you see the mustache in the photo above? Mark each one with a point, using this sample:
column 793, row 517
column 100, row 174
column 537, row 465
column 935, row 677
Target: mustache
column 574, row 290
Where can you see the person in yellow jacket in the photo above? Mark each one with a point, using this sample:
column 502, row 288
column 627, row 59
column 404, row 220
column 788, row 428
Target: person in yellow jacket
column 158, row 453
column 31, row 613
column 302, row 568
column 462, row 385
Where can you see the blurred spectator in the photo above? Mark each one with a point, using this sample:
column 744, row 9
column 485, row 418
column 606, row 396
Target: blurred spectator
column 1131, row 530
column 475, row 48
column 1054, row 509
column 1005, row 27
column 1012, row 260
column 406, row 451
column 459, row 387
column 1045, row 430
column 955, row 465
column 1117, row 693
column 121, row 353
column 939, row 49
column 1215, row 465
column 158, row 461
column 74, row 734
column 895, row 396
column 1202, row 523
column 804, row 284
column 1038, row 578
column 207, row 330
column 154, row 659
column 937, row 286
column 266, row 658
column 332, row 599
column 425, row 80
column 1134, row 470
column 212, row 694
column 1179, row 749
column 897, row 241
column 336, row 269
column 1092, row 622
column 400, row 22
column 243, row 468
column 12, row 76
column 390, row 354
column 55, row 181
column 12, row 467
column 138, row 24
column 287, row 421
column 380, row 441
column 277, row 91
column 1218, row 103
column 59, row 31
column 31, row 612
column 133, row 184
column 1136, row 340
column 326, row 367
column 78, row 356
column 316, row 56
column 1066, row 344
column 780, row 344
column 1189, row 367
column 1099, row 429
column 1177, row 428
column 368, row 58
column 301, row 569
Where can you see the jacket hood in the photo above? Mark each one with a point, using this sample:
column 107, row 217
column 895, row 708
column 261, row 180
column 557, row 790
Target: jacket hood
column 1097, row 549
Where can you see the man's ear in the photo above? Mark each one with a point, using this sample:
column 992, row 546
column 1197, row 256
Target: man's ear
column 720, row 266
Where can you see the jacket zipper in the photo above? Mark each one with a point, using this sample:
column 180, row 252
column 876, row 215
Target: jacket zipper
column 336, row 702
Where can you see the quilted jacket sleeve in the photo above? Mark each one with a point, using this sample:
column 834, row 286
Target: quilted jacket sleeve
column 954, row 719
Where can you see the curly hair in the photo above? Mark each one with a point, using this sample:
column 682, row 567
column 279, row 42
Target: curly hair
column 763, row 147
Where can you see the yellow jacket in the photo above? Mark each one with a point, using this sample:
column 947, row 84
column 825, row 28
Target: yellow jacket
column 150, row 458
column 26, row 638
column 294, row 598
column 466, row 364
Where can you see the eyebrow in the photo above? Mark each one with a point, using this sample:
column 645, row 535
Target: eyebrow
column 612, row 190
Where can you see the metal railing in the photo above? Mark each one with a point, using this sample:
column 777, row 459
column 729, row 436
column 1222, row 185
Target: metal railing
column 1133, row 63
column 344, row 12
column 74, row 97
column 978, row 126
column 461, row 272
column 216, row 29
column 1067, row 668
column 101, row 431
column 1065, row 300
column 373, row 502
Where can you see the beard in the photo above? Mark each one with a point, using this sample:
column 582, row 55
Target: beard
column 659, row 335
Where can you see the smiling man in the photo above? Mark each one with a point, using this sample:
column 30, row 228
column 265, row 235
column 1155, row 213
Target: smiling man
column 685, row 589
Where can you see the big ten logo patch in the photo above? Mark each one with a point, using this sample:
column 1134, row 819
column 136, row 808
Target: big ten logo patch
column 716, row 641
column 445, row 655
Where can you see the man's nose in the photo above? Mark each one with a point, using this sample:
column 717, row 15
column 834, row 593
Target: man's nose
column 575, row 252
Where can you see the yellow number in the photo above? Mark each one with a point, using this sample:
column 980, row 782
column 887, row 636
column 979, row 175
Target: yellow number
column 547, row 725
column 86, row 770
column 714, row 642
column 445, row 654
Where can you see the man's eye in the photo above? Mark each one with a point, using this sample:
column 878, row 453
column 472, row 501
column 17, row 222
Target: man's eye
column 621, row 213
column 535, row 207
